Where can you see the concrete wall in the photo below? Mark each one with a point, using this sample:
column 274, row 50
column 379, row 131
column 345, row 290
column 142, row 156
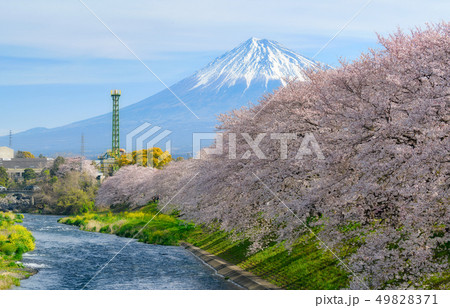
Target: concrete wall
column 230, row 271
column 6, row 153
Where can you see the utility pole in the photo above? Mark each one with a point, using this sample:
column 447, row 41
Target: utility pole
column 10, row 139
column 82, row 153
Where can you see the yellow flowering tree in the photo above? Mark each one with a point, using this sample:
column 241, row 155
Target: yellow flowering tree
column 154, row 157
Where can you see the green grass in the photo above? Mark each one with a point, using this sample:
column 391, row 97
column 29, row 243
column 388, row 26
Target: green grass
column 14, row 241
column 303, row 266
column 160, row 229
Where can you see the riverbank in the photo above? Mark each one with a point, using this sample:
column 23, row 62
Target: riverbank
column 15, row 203
column 14, row 241
column 159, row 229
column 230, row 271
column 304, row 265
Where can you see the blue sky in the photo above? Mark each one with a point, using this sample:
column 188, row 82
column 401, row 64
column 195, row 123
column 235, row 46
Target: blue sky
column 58, row 62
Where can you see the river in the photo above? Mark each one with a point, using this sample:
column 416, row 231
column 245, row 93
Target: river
column 68, row 258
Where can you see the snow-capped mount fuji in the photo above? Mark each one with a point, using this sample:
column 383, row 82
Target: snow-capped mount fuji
column 231, row 81
column 256, row 60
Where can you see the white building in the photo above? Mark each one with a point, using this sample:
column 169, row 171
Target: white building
column 6, row 153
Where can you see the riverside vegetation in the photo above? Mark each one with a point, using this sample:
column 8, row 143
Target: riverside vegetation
column 66, row 187
column 302, row 266
column 14, row 241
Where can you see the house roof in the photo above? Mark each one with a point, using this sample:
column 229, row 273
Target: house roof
column 24, row 163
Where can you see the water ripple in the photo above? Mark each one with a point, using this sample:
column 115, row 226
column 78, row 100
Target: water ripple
column 68, row 258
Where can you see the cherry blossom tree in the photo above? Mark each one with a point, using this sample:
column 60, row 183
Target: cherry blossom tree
column 382, row 191
column 131, row 186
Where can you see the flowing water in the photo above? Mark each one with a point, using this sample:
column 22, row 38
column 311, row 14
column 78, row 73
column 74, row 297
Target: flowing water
column 68, row 258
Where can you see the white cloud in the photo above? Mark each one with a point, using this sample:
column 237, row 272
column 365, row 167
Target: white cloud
column 66, row 28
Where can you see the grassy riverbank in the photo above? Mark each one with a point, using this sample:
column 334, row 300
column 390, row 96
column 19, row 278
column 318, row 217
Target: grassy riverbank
column 305, row 266
column 159, row 229
column 14, row 241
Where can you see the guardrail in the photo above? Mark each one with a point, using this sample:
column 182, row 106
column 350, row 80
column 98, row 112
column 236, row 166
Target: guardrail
column 18, row 191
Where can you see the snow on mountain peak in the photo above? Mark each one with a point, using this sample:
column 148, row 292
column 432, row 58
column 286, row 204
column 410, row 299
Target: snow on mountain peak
column 254, row 60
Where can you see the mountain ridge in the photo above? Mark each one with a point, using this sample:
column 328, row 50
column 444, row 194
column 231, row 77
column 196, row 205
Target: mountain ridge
column 232, row 80
column 255, row 59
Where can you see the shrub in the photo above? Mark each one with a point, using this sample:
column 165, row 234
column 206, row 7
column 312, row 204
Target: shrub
column 8, row 249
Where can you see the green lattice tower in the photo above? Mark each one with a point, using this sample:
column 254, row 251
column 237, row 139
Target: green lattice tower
column 115, row 149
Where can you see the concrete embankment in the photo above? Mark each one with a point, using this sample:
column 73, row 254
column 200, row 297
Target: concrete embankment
column 230, row 271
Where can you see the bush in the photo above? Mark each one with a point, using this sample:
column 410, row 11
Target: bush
column 22, row 238
column 8, row 249
column 105, row 229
